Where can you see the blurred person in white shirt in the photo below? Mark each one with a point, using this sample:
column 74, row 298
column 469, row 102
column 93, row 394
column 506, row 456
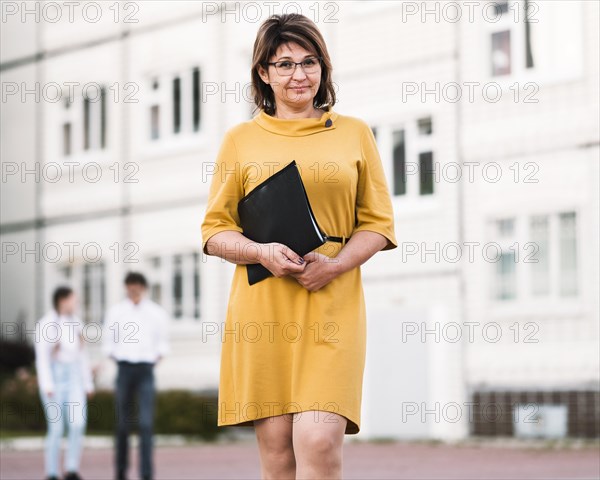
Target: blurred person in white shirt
column 135, row 335
column 65, row 381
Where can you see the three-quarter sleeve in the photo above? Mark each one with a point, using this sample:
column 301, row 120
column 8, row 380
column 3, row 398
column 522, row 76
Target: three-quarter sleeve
column 374, row 210
column 226, row 189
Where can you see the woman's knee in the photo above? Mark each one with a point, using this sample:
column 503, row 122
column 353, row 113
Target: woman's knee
column 274, row 435
column 321, row 443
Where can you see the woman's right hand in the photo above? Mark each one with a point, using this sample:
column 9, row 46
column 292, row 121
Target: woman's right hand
column 280, row 260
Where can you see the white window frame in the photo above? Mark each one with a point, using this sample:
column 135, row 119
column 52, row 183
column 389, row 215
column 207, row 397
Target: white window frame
column 412, row 203
column 545, row 13
column 74, row 116
column 164, row 276
column 168, row 141
column 526, row 303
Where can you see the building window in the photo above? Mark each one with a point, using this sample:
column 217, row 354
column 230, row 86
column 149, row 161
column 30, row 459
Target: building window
column 426, row 173
column 103, row 117
column 154, row 122
column 501, row 7
column 196, row 98
column 506, row 227
column 177, row 287
column 399, row 167
column 174, row 281
column 413, row 166
column 425, row 126
column 568, row 254
column 528, row 47
column 541, row 41
column 86, row 123
column 176, row 105
column 505, row 266
column 501, row 61
column 547, row 267
column 540, row 268
column 182, row 102
column 154, row 280
column 66, row 139
column 196, row 260
column 83, row 123
column 94, row 292
column 505, row 276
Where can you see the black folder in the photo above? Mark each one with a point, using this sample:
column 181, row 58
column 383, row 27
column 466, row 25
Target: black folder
column 278, row 210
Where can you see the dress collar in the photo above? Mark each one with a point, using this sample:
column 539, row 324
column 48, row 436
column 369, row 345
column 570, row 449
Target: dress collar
column 297, row 127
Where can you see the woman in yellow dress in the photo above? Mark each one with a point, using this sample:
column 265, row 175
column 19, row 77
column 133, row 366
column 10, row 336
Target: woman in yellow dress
column 293, row 345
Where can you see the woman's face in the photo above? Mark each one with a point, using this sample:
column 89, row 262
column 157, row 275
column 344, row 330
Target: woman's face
column 285, row 88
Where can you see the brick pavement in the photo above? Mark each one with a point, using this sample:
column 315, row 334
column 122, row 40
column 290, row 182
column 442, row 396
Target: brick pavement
column 361, row 461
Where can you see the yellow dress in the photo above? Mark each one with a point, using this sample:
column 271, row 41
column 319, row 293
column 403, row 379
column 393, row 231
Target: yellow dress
column 286, row 349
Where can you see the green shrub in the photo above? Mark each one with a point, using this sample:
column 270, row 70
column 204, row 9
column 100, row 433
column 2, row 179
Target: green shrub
column 176, row 411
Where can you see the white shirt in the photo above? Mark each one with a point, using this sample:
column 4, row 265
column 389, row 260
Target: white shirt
column 58, row 339
column 136, row 332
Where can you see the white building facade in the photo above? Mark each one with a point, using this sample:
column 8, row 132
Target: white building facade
column 486, row 120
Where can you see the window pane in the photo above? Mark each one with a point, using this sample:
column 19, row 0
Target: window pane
column 177, row 287
column 154, row 279
column 94, row 292
column 399, row 163
column 196, row 98
column 425, row 126
column 154, row 122
column 196, row 260
column 540, row 268
column 156, row 292
column 86, row 123
column 501, row 7
column 102, row 117
column 505, row 227
column 568, row 254
column 528, row 49
column 176, row 104
column 501, row 53
column 426, row 173
column 66, row 139
column 505, row 276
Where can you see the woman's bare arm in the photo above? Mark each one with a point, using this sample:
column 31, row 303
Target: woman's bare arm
column 361, row 246
column 236, row 248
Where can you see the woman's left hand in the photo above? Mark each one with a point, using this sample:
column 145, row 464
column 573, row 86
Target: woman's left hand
column 319, row 271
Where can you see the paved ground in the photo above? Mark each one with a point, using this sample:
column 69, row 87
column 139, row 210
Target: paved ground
column 361, row 461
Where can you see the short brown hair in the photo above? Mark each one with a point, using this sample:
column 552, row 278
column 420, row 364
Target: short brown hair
column 289, row 28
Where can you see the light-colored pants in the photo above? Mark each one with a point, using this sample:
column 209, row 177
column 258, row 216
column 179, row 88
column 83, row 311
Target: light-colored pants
column 67, row 406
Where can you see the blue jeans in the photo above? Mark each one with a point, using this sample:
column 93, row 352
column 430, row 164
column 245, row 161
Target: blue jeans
column 67, row 406
column 132, row 379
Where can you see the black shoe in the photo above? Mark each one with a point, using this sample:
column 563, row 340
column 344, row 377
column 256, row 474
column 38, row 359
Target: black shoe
column 147, row 477
column 52, row 477
column 72, row 476
column 121, row 476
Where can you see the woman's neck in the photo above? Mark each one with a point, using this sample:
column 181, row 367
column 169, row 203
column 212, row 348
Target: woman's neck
column 289, row 115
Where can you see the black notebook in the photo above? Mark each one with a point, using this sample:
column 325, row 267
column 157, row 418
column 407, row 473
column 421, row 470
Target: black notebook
column 278, row 210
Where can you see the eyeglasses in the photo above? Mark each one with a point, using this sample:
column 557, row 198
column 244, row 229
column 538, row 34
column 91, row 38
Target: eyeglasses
column 285, row 68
